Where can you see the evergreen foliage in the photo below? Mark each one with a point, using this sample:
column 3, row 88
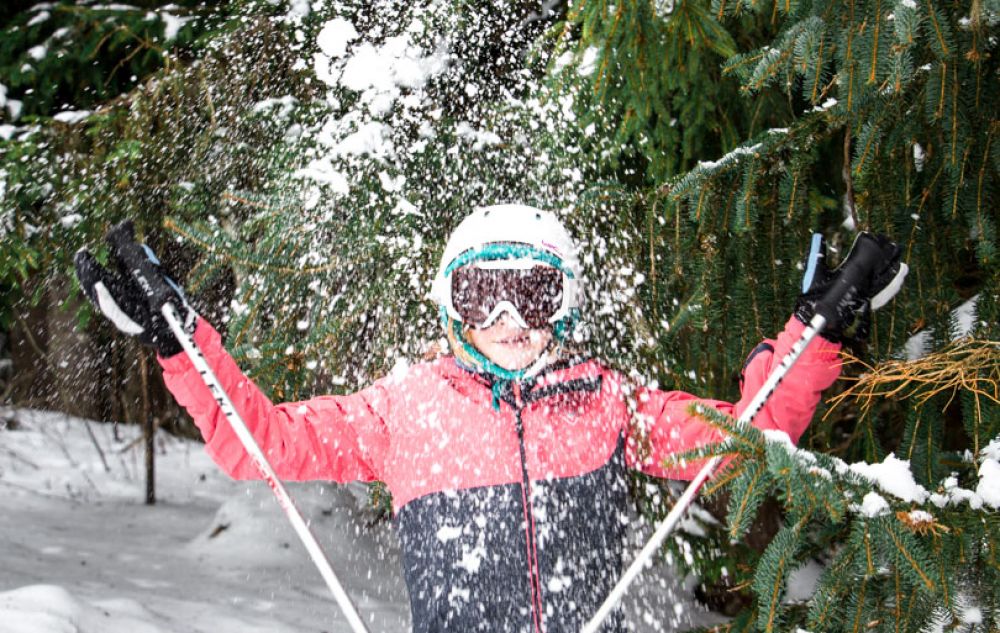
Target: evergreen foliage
column 896, row 555
column 857, row 115
column 74, row 55
column 754, row 207
column 173, row 144
column 613, row 57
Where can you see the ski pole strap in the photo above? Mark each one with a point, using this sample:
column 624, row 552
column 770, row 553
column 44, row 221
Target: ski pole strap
column 816, row 255
column 687, row 498
column 267, row 472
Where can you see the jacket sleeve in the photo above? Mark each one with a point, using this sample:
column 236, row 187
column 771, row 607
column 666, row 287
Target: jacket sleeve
column 664, row 425
column 339, row 438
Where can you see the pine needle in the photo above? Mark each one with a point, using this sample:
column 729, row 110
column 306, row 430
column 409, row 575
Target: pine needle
column 966, row 364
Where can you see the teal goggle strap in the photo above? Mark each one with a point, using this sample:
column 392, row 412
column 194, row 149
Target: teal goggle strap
column 494, row 252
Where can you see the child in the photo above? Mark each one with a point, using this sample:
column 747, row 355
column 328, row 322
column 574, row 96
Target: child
column 507, row 461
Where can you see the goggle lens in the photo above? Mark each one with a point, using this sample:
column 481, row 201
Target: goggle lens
column 536, row 293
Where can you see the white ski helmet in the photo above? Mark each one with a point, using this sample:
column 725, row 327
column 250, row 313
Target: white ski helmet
column 519, row 233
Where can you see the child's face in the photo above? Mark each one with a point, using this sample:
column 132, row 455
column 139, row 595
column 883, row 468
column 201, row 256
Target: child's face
column 508, row 344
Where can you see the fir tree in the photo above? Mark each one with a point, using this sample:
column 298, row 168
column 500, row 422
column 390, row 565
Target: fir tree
column 888, row 125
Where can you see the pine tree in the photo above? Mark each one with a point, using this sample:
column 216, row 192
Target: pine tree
column 192, row 124
column 888, row 124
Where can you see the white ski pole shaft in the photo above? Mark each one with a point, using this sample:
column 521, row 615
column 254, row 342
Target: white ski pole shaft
column 266, row 471
column 667, row 525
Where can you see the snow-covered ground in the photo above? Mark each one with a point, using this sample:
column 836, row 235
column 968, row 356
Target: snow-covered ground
column 80, row 552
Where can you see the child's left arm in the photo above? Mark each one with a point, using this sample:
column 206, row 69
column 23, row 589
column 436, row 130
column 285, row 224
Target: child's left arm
column 667, row 426
column 866, row 280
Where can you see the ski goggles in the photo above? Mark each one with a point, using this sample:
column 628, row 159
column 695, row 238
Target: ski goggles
column 533, row 295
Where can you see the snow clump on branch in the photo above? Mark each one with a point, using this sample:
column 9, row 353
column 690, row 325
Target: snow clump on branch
column 893, row 476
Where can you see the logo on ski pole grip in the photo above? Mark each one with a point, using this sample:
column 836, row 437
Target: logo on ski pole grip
column 139, row 277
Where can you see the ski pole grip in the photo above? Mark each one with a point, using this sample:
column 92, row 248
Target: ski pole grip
column 854, row 277
column 140, row 262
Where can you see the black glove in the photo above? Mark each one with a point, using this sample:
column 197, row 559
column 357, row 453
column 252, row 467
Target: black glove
column 866, row 280
column 133, row 296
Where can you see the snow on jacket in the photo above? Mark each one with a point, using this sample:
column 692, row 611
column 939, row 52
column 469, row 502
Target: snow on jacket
column 509, row 520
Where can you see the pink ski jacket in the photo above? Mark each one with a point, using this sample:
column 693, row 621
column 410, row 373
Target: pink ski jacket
column 509, row 520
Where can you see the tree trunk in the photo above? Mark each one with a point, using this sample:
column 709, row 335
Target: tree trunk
column 148, row 430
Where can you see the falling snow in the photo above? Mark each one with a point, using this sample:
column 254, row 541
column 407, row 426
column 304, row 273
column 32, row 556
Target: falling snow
column 387, row 96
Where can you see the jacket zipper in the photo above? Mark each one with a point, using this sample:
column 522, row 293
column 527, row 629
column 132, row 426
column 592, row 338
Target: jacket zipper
column 534, row 573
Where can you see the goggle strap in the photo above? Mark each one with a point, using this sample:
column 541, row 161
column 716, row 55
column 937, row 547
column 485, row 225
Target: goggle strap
column 507, row 251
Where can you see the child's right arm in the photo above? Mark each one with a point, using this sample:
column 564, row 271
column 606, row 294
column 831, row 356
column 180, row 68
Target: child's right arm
column 340, row 438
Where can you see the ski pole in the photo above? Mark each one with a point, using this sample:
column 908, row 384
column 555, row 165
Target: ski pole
column 854, row 276
column 260, row 461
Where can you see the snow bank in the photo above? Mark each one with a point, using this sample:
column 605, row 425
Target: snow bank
column 250, row 531
column 85, row 555
column 54, row 454
column 52, row 609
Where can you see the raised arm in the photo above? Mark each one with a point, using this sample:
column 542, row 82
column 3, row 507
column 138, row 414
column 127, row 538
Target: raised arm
column 340, row 438
column 666, row 426
column 867, row 279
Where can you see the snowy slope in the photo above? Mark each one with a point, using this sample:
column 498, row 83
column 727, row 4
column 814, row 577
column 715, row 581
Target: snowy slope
column 80, row 552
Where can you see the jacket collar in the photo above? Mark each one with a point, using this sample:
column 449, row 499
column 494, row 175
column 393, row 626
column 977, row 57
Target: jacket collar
column 565, row 376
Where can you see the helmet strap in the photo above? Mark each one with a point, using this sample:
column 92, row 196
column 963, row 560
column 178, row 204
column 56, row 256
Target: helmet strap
column 562, row 329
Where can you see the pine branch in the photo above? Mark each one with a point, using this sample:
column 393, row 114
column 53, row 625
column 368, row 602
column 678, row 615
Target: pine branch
column 747, row 493
column 772, row 574
column 915, row 558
